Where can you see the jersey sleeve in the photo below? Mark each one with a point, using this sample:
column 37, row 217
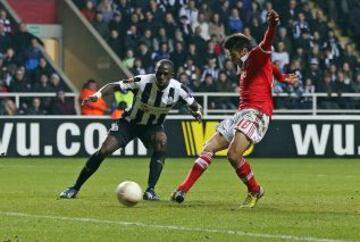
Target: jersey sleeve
column 265, row 45
column 277, row 74
column 185, row 95
column 130, row 84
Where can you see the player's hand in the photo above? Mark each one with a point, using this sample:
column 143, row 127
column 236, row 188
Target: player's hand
column 292, row 79
column 273, row 18
column 197, row 115
column 88, row 99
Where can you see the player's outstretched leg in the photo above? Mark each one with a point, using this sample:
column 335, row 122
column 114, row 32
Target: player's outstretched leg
column 215, row 144
column 198, row 168
column 93, row 163
column 243, row 169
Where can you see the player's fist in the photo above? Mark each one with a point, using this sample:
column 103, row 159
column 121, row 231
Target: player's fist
column 197, row 115
column 91, row 98
column 273, row 18
column 292, row 79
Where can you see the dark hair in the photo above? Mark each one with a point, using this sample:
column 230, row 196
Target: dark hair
column 166, row 62
column 237, row 41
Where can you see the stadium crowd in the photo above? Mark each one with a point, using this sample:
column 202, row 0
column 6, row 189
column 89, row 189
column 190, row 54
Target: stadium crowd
column 190, row 33
column 24, row 69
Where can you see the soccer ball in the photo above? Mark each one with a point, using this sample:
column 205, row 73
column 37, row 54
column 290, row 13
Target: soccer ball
column 129, row 193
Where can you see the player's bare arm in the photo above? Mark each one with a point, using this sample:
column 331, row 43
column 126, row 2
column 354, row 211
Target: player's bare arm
column 107, row 89
column 273, row 20
column 291, row 79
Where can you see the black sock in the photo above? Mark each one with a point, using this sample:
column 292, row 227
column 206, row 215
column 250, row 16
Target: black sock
column 156, row 165
column 90, row 167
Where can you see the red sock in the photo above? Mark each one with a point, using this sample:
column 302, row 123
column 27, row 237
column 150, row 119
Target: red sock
column 247, row 176
column 200, row 165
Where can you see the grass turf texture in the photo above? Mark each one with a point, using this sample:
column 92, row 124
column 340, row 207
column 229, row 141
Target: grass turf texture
column 308, row 199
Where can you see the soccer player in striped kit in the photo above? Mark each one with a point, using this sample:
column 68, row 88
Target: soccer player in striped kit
column 154, row 96
column 250, row 122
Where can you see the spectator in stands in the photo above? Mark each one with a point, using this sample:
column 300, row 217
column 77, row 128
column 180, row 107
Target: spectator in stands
column 5, row 41
column 185, row 28
column 89, row 11
column 9, row 58
column 56, row 83
column 20, row 83
column 162, row 38
column 300, row 26
column 42, row 69
column 333, row 44
column 203, row 25
column 223, row 84
column 62, row 106
column 264, row 12
column 320, row 24
column 314, row 72
column 157, row 12
column 93, row 108
column 178, row 56
column 355, row 85
column 281, row 55
column 210, row 69
column 206, row 11
column 5, row 21
column 23, row 39
column 170, row 24
column 116, row 43
column 354, row 23
column 349, row 56
column 106, row 9
column 235, row 23
column 100, row 25
column 42, row 85
column 208, row 85
column 149, row 23
column 35, row 108
column 138, row 68
column 192, row 71
column 217, row 27
column 198, row 40
column 131, row 38
column 190, row 11
column 145, row 55
column 32, row 55
column 118, row 24
column 129, row 59
column 9, row 108
column 162, row 53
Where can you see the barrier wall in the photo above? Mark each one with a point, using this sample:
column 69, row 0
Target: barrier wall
column 329, row 136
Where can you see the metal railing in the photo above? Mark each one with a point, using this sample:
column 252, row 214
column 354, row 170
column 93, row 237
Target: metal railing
column 18, row 95
column 204, row 99
column 314, row 110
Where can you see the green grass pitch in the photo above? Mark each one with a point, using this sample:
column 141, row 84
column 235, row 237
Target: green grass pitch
column 305, row 200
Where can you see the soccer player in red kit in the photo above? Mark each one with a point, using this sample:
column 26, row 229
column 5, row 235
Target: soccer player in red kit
column 250, row 123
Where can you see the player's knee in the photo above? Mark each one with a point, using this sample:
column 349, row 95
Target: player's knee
column 106, row 150
column 233, row 157
column 160, row 143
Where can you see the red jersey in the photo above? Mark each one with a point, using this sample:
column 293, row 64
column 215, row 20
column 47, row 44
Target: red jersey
column 256, row 77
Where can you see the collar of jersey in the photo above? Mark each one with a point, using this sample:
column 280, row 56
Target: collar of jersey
column 244, row 58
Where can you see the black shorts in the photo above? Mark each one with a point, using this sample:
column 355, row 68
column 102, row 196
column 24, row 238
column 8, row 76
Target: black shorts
column 125, row 131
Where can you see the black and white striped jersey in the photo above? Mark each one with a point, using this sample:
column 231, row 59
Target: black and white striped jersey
column 151, row 105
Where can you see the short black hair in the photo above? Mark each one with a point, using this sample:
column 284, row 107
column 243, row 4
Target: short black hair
column 165, row 62
column 237, row 41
